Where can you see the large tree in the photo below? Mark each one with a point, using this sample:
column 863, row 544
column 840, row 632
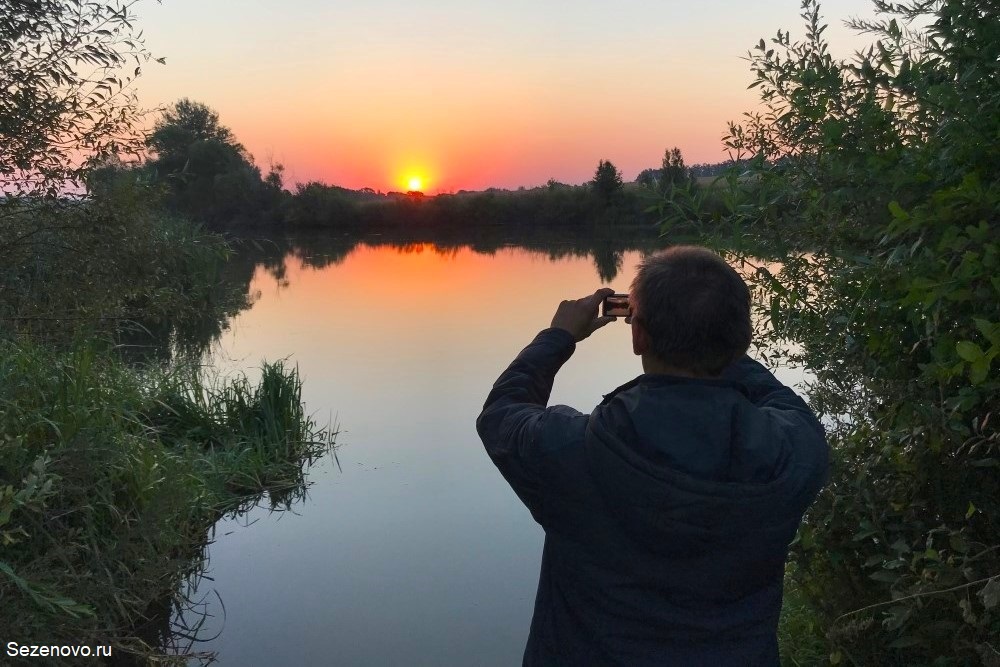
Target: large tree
column 208, row 173
column 183, row 131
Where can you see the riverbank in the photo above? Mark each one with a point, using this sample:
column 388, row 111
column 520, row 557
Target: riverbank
column 114, row 476
column 116, row 455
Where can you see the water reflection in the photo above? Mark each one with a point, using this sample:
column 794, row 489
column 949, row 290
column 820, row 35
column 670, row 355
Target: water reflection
column 605, row 246
column 417, row 552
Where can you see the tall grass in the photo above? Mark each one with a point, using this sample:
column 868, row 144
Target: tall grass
column 110, row 478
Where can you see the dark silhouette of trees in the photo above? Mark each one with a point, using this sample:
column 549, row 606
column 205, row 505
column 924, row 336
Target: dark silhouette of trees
column 208, row 174
column 673, row 171
column 607, row 181
column 190, row 137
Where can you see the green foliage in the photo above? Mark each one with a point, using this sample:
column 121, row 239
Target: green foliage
column 801, row 640
column 107, row 491
column 208, row 175
column 110, row 480
column 109, row 266
column 66, row 102
column 885, row 169
column 607, row 181
column 84, row 250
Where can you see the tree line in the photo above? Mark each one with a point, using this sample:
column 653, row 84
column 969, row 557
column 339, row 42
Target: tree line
column 197, row 168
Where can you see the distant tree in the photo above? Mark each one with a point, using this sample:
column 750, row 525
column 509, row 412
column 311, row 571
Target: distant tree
column 190, row 131
column 275, row 179
column 673, row 171
column 607, row 181
column 649, row 177
column 208, row 173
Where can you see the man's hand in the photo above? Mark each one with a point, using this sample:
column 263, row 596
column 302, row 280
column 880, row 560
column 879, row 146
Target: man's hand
column 579, row 317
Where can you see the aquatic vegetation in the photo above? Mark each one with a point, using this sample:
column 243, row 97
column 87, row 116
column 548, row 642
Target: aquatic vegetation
column 111, row 477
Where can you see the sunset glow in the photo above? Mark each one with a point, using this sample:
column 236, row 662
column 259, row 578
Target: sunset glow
column 487, row 96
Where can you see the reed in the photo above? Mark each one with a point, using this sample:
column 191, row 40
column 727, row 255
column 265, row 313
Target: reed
column 111, row 477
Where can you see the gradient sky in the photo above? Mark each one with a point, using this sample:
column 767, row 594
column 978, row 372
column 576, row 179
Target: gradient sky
column 468, row 95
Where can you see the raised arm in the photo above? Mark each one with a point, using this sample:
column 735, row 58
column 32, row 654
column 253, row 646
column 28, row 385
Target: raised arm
column 514, row 411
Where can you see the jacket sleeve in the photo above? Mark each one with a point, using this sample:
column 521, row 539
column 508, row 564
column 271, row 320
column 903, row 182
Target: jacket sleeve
column 514, row 415
column 767, row 392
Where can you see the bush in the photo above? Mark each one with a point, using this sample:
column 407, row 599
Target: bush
column 884, row 169
column 114, row 268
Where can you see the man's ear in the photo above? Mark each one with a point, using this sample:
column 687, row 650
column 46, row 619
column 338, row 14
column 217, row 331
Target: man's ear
column 640, row 339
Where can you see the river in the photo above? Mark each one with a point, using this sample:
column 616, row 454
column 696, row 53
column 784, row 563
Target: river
column 410, row 548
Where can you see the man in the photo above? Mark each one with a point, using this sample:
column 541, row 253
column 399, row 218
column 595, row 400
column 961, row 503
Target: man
column 668, row 510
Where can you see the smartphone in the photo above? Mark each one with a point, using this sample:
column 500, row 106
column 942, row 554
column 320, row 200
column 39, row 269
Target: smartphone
column 616, row 305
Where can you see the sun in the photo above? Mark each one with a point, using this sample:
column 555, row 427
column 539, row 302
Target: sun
column 414, row 183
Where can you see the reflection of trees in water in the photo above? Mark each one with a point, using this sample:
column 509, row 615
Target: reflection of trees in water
column 194, row 334
column 608, row 262
column 182, row 620
column 190, row 334
column 317, row 250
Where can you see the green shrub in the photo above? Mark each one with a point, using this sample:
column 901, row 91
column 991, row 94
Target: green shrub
column 885, row 170
column 115, row 268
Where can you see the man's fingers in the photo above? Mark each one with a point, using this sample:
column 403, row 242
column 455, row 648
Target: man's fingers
column 597, row 297
column 601, row 321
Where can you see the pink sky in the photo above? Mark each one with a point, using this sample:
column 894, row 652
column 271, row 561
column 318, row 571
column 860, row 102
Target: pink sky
column 370, row 94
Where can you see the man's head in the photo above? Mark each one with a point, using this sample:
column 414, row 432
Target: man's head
column 691, row 312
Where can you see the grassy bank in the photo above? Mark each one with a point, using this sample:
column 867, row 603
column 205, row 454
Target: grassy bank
column 110, row 478
column 116, row 457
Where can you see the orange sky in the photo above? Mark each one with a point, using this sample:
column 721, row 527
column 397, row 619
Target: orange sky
column 467, row 95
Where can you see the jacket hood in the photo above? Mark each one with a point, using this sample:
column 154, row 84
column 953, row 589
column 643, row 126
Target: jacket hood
column 686, row 463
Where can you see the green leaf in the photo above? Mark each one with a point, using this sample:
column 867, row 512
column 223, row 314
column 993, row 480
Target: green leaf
column 991, row 593
column 969, row 351
column 969, row 512
column 980, row 370
column 877, row 559
column 897, row 616
column 990, row 330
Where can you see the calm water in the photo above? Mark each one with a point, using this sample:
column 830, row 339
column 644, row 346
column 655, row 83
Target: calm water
column 416, row 552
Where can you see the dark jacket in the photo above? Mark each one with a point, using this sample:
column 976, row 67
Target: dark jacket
column 667, row 511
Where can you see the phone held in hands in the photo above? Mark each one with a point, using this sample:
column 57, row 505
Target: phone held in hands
column 616, row 305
